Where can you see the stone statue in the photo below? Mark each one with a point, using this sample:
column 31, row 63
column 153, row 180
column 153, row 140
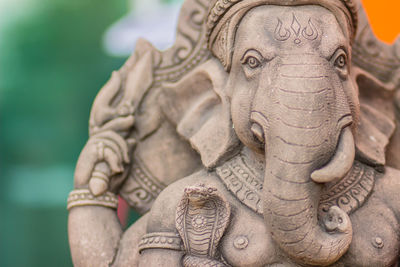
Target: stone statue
column 266, row 136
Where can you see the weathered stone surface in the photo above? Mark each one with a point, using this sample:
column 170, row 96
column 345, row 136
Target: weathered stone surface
column 266, row 136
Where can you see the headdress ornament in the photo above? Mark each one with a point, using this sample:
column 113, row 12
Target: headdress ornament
column 222, row 12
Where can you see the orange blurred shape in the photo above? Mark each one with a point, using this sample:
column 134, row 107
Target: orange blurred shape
column 384, row 16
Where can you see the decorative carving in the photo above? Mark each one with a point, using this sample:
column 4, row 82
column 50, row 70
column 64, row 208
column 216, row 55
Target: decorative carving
column 241, row 242
column 278, row 32
column 221, row 7
column 141, row 187
column 295, row 26
column 201, row 219
column 242, row 182
column 83, row 197
column 190, row 49
column 378, row 242
column 163, row 240
column 351, row 192
column 309, row 32
column 191, row 261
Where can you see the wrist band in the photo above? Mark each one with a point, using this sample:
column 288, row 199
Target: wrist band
column 83, row 197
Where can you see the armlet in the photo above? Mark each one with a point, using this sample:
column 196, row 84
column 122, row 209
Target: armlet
column 163, row 240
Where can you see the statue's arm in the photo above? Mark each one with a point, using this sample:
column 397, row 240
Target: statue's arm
column 94, row 230
column 160, row 257
column 161, row 220
column 103, row 165
column 94, row 235
column 97, row 239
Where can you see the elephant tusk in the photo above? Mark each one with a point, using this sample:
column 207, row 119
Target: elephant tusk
column 260, row 123
column 341, row 162
column 258, row 132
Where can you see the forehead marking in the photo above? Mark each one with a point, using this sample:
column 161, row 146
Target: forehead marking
column 309, row 32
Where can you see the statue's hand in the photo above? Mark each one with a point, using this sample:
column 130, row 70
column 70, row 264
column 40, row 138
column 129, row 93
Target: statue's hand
column 101, row 164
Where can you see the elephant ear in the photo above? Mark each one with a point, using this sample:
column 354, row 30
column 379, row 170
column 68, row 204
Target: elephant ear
column 199, row 107
column 376, row 68
column 377, row 120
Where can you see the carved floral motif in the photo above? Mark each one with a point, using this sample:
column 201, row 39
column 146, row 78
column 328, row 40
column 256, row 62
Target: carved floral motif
column 309, row 32
column 242, row 182
column 350, row 193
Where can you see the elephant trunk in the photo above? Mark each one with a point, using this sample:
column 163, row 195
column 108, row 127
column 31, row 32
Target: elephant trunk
column 306, row 136
column 291, row 201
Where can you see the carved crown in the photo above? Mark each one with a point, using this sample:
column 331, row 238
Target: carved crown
column 217, row 32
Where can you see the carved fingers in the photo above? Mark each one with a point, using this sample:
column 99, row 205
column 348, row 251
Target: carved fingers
column 112, row 148
column 103, row 161
column 120, row 124
column 109, row 149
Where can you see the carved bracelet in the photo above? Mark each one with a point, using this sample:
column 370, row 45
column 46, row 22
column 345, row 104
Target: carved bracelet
column 164, row 240
column 83, row 197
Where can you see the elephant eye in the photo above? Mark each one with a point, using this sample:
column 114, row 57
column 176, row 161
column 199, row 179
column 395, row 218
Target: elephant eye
column 252, row 59
column 252, row 62
column 341, row 61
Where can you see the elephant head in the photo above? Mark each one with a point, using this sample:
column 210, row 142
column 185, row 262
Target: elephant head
column 280, row 84
column 293, row 100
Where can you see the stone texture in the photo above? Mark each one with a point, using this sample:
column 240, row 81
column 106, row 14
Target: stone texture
column 266, row 136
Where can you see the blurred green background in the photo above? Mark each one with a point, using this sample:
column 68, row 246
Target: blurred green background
column 52, row 64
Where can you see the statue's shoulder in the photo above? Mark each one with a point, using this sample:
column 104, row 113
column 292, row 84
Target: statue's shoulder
column 388, row 188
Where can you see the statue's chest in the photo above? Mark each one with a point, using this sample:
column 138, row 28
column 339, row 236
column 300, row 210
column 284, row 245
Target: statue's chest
column 375, row 237
column 247, row 241
column 376, row 242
